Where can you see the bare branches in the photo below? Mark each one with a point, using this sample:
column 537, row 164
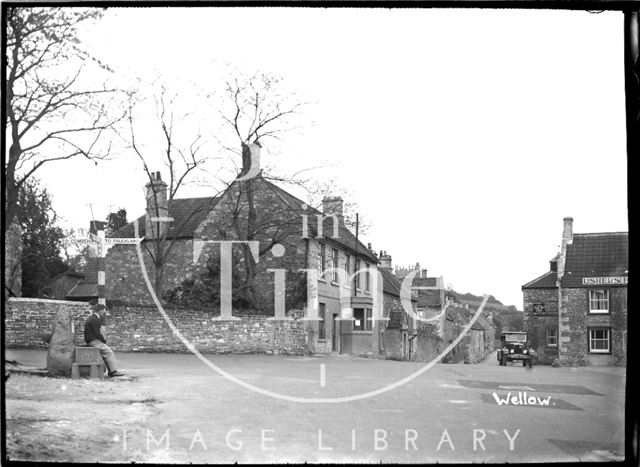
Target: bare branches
column 257, row 108
column 50, row 114
column 174, row 142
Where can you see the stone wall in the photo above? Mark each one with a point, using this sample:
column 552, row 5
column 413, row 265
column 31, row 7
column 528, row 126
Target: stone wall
column 473, row 346
column 537, row 324
column 428, row 344
column 124, row 280
column 28, row 322
column 139, row 329
column 576, row 321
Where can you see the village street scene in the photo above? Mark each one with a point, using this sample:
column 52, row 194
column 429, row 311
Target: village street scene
column 287, row 253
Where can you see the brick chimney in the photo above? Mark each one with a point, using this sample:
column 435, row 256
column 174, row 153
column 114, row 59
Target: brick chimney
column 333, row 205
column 156, row 192
column 385, row 261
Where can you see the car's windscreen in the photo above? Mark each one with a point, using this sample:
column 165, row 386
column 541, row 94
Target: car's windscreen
column 515, row 337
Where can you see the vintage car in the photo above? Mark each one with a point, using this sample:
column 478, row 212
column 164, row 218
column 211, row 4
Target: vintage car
column 514, row 349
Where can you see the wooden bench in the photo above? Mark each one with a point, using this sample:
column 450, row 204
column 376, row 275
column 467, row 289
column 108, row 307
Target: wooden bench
column 88, row 357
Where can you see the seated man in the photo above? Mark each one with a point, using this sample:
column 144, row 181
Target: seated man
column 94, row 338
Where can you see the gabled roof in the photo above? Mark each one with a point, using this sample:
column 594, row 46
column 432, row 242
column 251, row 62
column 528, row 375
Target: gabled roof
column 391, row 285
column 83, row 290
column 345, row 238
column 69, row 273
column 589, row 255
column 596, row 255
column 187, row 214
column 90, row 271
column 428, row 297
column 545, row 281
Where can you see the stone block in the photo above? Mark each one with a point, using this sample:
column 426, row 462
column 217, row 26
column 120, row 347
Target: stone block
column 61, row 346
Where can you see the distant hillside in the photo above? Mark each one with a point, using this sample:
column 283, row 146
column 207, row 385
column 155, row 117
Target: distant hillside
column 493, row 304
column 504, row 316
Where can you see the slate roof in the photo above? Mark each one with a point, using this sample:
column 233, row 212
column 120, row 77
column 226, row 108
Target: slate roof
column 545, row 281
column 67, row 273
column 428, row 298
column 87, row 287
column 187, row 214
column 346, row 238
column 589, row 255
column 596, row 255
column 83, row 290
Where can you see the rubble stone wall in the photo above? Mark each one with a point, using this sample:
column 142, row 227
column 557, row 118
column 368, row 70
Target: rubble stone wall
column 141, row 329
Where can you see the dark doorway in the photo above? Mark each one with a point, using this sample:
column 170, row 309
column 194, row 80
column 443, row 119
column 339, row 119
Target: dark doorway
column 335, row 341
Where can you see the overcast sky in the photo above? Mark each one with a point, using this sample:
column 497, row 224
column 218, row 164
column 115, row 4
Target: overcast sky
column 465, row 136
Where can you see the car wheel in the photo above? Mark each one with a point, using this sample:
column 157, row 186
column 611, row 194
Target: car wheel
column 524, row 363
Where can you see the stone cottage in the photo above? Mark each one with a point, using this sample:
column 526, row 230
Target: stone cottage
column 577, row 311
column 400, row 330
column 292, row 236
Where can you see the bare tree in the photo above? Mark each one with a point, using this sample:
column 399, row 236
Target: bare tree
column 256, row 109
column 51, row 114
column 181, row 162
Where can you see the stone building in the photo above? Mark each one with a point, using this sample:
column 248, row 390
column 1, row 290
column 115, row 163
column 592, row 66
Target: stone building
column 62, row 284
column 308, row 239
column 577, row 311
column 430, row 294
column 400, row 330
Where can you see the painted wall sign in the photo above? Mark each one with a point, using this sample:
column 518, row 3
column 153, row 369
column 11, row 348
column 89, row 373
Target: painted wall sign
column 619, row 280
column 346, row 313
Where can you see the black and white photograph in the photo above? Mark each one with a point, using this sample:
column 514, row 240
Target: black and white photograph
column 318, row 233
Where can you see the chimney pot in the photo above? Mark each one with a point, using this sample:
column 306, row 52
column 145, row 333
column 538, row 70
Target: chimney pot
column 385, row 261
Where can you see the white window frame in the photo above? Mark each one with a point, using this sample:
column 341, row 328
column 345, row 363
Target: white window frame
column 598, row 301
column 552, row 337
column 367, row 322
column 335, row 255
column 606, row 339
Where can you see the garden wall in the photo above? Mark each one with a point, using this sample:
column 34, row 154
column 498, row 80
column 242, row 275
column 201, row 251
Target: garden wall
column 140, row 329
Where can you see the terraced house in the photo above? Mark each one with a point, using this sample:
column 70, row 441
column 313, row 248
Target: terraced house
column 577, row 311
